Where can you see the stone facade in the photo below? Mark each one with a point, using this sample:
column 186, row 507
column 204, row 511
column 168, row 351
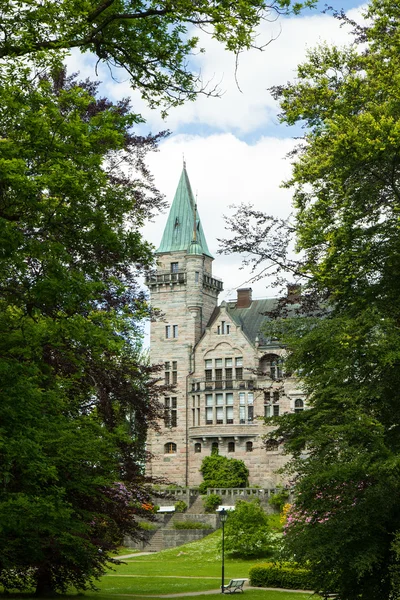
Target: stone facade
column 226, row 375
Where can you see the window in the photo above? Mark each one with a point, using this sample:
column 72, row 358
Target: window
column 229, row 415
column 170, row 448
column 214, row 448
column 223, row 327
column 228, row 362
column 196, row 277
column 170, row 412
column 218, row 374
column 228, row 374
column 239, row 373
column 229, row 398
column 208, row 374
column 250, row 398
column 168, row 331
column 167, row 378
column 242, row 414
column 174, row 267
column 208, row 364
column 220, row 415
column 298, row 405
column 219, row 330
column 209, row 416
column 271, row 365
column 174, row 365
column 197, row 448
column 275, row 410
column 167, row 365
column 227, row 328
column 219, row 399
column 249, row 446
column 174, row 377
column 175, row 331
column 239, row 361
column 218, row 362
column 275, row 396
column 250, row 413
column 271, row 410
column 241, row 398
column 267, row 396
column 209, row 399
column 231, row 446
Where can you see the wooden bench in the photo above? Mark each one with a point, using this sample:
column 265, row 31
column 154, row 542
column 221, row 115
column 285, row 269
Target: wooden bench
column 235, row 585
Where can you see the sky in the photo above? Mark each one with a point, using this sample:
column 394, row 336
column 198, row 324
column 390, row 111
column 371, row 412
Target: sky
column 234, row 147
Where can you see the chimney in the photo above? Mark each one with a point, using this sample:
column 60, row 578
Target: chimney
column 243, row 298
column 293, row 293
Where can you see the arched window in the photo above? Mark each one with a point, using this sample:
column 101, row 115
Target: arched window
column 298, row 405
column 249, row 446
column 231, row 446
column 214, row 448
column 271, row 365
column 197, row 448
column 170, row 448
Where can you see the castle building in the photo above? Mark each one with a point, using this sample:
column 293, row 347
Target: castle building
column 226, row 375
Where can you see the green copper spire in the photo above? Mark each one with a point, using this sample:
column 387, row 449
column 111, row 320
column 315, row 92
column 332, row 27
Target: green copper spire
column 179, row 230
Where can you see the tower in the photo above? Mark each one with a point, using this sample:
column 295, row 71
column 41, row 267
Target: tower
column 185, row 291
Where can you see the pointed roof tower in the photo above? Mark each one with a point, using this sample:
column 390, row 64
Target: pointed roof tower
column 178, row 232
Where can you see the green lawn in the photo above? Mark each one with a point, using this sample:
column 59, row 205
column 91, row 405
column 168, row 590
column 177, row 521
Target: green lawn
column 191, row 568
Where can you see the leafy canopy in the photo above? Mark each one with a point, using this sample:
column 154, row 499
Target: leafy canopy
column 346, row 448
column 77, row 396
column 151, row 40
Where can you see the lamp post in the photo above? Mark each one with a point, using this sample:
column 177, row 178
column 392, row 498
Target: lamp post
column 223, row 516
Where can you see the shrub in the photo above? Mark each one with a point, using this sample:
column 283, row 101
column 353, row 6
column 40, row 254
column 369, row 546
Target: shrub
column 190, row 525
column 247, row 531
column 223, row 472
column 211, row 502
column 279, row 499
column 180, row 506
column 147, row 526
column 281, row 575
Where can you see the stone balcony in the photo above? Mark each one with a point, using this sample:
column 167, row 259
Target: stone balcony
column 214, row 432
column 160, row 278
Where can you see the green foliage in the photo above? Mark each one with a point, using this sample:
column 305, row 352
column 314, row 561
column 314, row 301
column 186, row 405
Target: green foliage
column 247, row 531
column 77, row 396
column 180, row 506
column 279, row 499
column 190, row 525
column 222, row 472
column 346, row 449
column 147, row 526
column 211, row 502
column 281, row 575
column 152, row 42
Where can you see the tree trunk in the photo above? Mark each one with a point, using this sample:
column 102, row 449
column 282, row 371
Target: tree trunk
column 44, row 583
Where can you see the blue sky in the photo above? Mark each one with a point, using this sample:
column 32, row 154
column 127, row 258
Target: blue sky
column 234, row 146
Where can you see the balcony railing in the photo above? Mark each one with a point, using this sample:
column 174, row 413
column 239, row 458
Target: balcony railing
column 162, row 278
column 210, row 385
column 212, row 282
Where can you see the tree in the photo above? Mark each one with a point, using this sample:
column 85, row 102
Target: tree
column 247, row 532
column 346, row 448
column 220, row 471
column 152, row 41
column 77, row 393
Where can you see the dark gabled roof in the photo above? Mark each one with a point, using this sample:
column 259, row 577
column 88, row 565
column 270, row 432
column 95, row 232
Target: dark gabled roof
column 251, row 319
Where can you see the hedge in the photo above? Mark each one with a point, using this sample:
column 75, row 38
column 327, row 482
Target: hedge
column 281, row 575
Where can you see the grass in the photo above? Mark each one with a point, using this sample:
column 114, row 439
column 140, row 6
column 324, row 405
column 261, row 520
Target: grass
column 194, row 567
